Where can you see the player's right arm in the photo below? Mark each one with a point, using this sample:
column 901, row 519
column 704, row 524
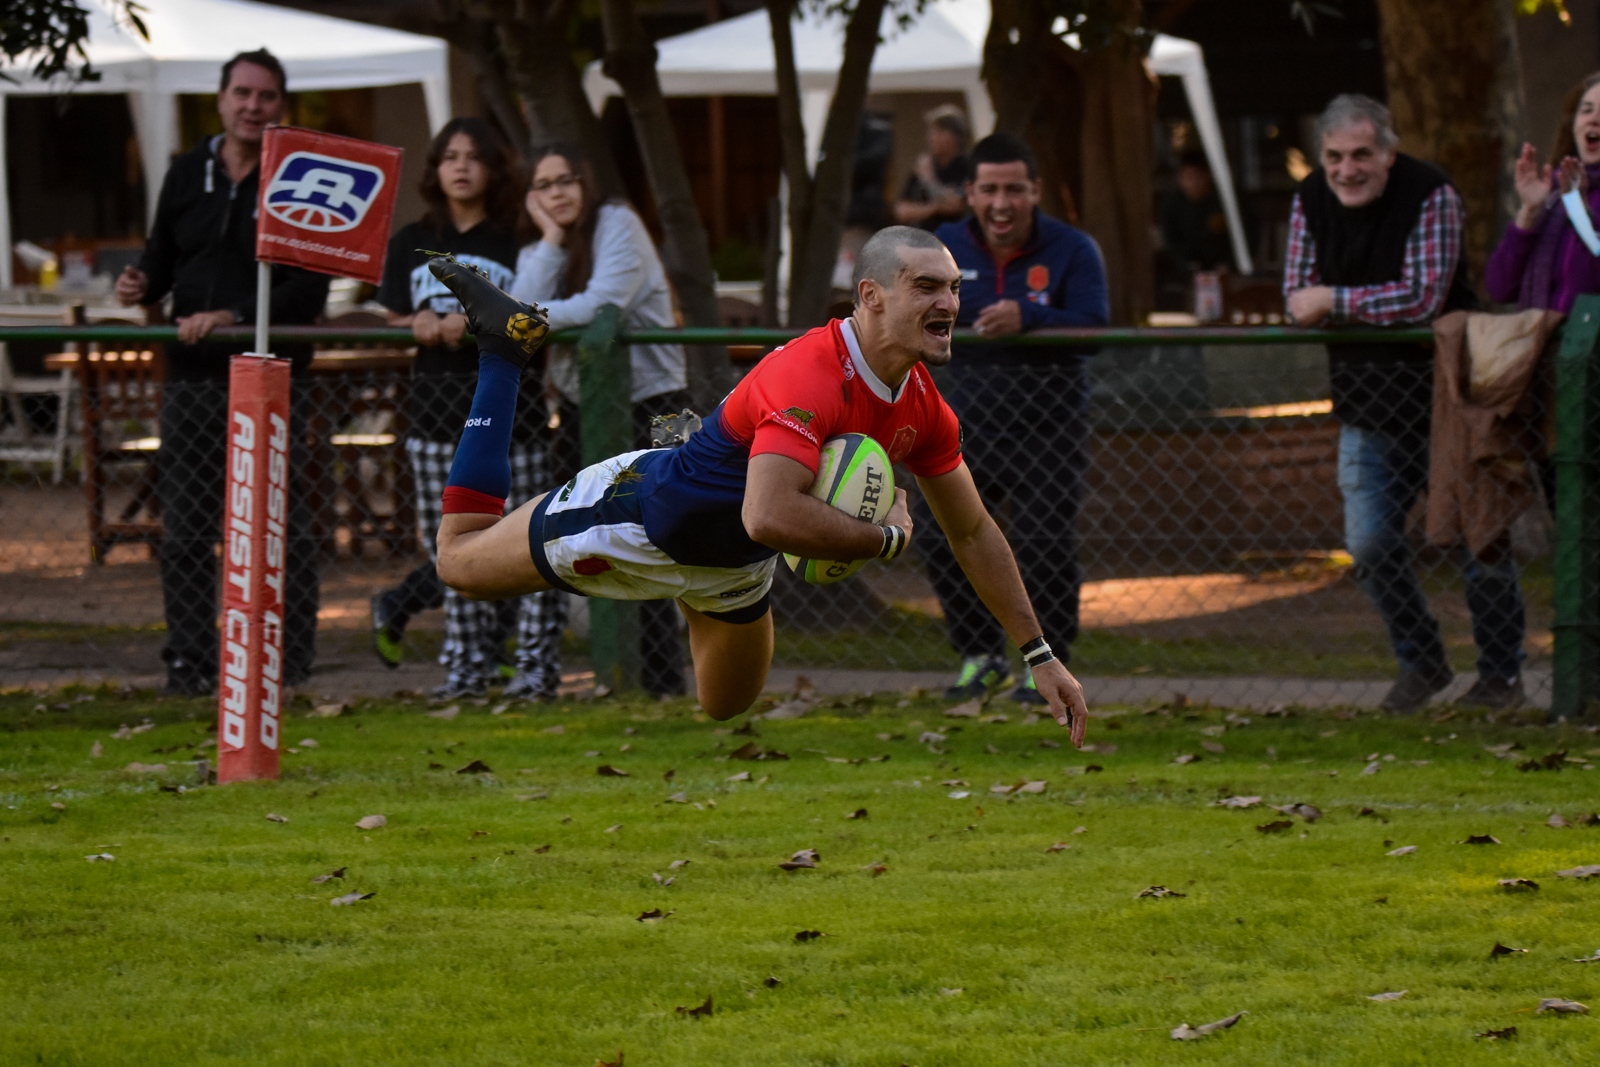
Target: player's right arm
column 780, row 512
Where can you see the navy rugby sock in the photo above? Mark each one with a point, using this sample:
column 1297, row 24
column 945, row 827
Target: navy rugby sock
column 480, row 475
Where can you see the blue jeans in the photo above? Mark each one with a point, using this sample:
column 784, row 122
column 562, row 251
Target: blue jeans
column 1381, row 478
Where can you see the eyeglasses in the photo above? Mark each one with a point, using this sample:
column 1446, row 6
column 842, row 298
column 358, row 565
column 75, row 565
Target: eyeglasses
column 566, row 181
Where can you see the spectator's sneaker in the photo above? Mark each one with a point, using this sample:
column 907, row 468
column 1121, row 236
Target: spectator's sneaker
column 1028, row 693
column 387, row 639
column 1413, row 689
column 1495, row 694
column 980, row 676
column 457, row 687
column 529, row 686
column 189, row 684
column 491, row 313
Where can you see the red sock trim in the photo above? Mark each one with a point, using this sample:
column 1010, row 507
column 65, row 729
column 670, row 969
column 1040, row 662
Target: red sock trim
column 459, row 499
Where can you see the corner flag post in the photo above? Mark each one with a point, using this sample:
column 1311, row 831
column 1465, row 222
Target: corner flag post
column 326, row 203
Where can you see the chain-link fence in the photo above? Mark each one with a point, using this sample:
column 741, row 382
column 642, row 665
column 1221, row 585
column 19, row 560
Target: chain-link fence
column 1187, row 518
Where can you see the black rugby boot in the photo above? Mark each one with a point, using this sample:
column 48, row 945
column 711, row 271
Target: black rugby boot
column 501, row 324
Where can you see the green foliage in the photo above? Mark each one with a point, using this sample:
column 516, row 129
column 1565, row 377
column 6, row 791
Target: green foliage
column 207, row 941
column 52, row 34
column 1533, row 7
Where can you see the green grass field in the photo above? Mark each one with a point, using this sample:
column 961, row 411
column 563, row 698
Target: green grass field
column 504, row 929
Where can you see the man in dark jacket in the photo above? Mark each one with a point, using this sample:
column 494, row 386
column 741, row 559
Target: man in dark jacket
column 1025, row 410
column 1375, row 238
column 201, row 250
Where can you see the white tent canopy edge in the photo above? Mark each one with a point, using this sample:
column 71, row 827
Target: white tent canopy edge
column 189, row 42
column 941, row 51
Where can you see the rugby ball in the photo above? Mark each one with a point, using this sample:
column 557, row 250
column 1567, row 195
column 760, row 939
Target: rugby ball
column 854, row 475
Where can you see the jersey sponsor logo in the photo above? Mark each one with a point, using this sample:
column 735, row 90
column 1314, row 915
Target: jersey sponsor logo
column 316, row 192
column 800, row 415
column 590, row 566
column 869, row 498
column 1038, row 277
column 478, row 421
column 735, row 593
column 905, row 438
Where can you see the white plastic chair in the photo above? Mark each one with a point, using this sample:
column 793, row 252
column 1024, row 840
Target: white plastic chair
column 18, row 442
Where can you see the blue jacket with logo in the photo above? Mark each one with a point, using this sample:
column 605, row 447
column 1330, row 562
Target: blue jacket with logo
column 1057, row 279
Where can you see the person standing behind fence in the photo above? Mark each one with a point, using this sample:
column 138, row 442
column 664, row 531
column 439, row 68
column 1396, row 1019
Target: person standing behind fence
column 472, row 191
column 1541, row 262
column 934, row 192
column 1025, row 410
column 201, row 250
column 1375, row 238
column 590, row 254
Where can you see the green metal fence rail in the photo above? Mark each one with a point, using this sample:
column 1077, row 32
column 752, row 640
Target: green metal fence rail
column 607, row 430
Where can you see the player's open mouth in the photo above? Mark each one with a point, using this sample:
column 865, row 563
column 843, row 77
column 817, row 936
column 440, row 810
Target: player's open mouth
column 940, row 329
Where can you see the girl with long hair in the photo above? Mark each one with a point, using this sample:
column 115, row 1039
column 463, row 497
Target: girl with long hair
column 472, row 188
column 590, row 253
column 1541, row 262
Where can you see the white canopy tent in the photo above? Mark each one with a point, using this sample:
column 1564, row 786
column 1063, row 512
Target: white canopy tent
column 189, row 42
column 941, row 51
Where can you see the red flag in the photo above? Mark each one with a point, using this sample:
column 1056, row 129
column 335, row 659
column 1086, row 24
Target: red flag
column 326, row 202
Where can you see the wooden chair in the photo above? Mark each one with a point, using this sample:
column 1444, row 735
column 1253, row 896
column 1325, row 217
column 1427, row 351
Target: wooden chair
column 120, row 393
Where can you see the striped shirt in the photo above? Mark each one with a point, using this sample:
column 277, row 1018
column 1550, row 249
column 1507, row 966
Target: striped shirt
column 1429, row 266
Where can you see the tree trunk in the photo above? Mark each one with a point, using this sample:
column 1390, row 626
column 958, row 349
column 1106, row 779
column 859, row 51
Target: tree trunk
column 1439, row 67
column 533, row 39
column 630, row 61
column 817, row 201
column 477, row 37
column 1087, row 116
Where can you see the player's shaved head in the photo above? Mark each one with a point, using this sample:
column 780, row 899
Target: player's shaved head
column 880, row 258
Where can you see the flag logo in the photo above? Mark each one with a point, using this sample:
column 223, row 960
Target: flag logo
column 322, row 193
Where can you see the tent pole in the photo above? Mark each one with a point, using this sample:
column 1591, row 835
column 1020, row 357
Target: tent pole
column 5, row 204
column 263, row 306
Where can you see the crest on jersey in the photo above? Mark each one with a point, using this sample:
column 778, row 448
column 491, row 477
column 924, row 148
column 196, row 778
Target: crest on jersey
column 900, row 446
column 1038, row 277
column 317, row 192
column 800, row 415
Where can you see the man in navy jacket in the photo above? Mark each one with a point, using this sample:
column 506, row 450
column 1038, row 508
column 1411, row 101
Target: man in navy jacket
column 1025, row 409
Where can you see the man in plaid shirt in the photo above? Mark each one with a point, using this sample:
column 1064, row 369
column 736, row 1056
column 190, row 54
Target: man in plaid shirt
column 1375, row 239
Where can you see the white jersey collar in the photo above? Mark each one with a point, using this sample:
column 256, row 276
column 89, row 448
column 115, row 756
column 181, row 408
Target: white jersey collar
column 881, row 391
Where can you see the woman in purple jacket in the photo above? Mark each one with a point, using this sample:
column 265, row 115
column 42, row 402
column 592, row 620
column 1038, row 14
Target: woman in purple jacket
column 1541, row 261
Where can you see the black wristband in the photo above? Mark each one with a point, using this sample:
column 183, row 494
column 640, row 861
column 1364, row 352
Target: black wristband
column 894, row 541
column 1037, row 651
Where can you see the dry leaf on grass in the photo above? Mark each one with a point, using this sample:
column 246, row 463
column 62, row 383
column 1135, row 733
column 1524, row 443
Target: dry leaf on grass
column 1045, row 742
column 748, row 750
column 859, row 813
column 772, row 981
column 876, row 869
column 351, row 898
column 540, row 795
column 1561, row 1007
column 1236, row 802
column 1276, row 826
column 1081, row 830
column 1589, row 959
column 558, row 728
column 704, row 1009
column 1557, row 822
column 970, row 710
column 96, row 750
column 445, row 713
column 651, row 916
column 804, row 859
column 1186, row 757
column 1103, row 748
column 1517, row 883
column 1480, row 839
column 675, row 864
column 931, row 737
column 1367, row 813
column 809, row 935
column 1159, row 891
column 277, row 818
column 677, row 798
column 1396, row 995
column 605, row 770
column 1185, row 1032
column 58, row 806
column 337, row 872
column 1504, row 950
column 613, row 829
column 541, row 850
column 326, row 711
column 1371, row 768
column 662, row 881
column 952, row 992
column 477, row 766
column 954, row 783
column 959, row 794
column 1059, row 846
column 1308, row 812
column 1213, row 747
column 146, row 768
column 1588, row 870
column 371, row 822
column 100, row 857
column 603, row 1062
column 1403, row 850
column 742, row 776
column 1497, row 1035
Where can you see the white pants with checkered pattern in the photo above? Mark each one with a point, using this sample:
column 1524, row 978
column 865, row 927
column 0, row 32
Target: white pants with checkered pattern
column 475, row 630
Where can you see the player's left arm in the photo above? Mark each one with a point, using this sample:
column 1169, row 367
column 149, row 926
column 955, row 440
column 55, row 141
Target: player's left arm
column 780, row 512
column 986, row 557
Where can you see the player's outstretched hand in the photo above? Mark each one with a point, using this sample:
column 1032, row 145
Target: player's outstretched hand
column 900, row 514
column 1057, row 685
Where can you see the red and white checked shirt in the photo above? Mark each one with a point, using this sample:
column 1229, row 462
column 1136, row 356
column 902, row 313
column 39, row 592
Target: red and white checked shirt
column 1429, row 267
